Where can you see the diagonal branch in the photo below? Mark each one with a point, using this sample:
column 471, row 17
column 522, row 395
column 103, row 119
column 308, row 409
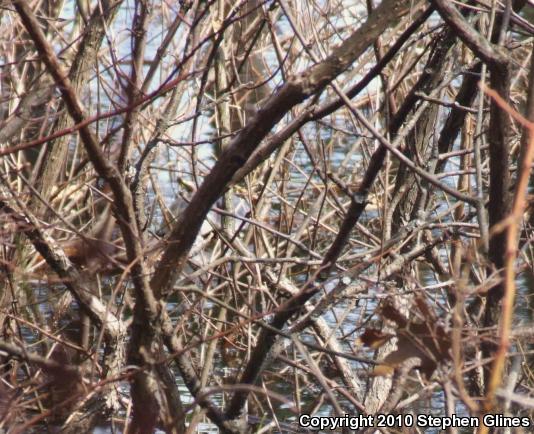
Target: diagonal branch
column 488, row 52
column 147, row 407
column 148, row 314
column 313, row 113
column 297, row 89
column 58, row 261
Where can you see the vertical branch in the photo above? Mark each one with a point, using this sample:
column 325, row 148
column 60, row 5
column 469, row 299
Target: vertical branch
column 55, row 156
column 509, row 227
column 139, row 29
column 499, row 162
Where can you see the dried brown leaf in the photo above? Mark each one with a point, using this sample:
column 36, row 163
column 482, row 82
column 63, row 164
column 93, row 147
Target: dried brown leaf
column 374, row 338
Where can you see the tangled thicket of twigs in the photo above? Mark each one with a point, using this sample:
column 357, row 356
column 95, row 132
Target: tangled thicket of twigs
column 235, row 213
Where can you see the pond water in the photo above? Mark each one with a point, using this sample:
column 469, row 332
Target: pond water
column 173, row 169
